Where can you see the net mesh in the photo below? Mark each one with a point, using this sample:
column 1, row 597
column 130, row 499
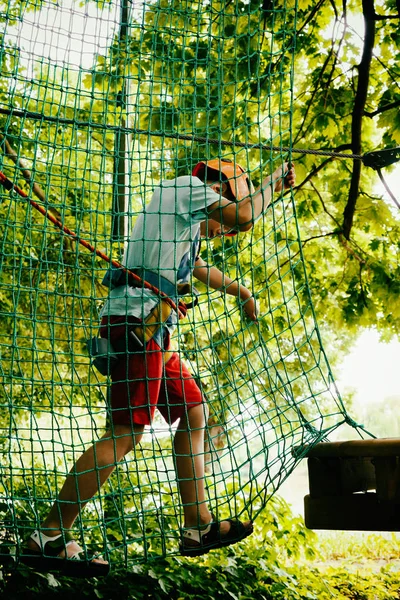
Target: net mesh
column 94, row 97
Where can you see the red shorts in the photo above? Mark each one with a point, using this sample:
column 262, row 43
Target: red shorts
column 141, row 382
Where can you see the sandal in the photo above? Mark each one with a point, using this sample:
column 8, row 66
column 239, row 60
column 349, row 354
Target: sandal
column 49, row 559
column 195, row 542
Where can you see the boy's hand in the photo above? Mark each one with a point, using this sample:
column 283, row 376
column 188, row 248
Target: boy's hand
column 249, row 304
column 288, row 180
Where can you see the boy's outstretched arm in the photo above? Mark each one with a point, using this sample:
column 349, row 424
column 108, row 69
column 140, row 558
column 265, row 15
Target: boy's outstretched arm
column 242, row 215
column 217, row 280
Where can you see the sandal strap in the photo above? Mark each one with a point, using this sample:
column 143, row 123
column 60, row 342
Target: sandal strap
column 197, row 534
column 235, row 532
column 53, row 546
column 213, row 533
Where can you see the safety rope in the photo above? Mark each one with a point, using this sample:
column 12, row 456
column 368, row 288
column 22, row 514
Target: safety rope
column 176, row 136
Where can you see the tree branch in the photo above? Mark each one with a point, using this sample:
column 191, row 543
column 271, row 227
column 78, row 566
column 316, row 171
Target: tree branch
column 393, row 77
column 322, row 165
column 324, row 206
column 302, row 243
column 383, row 109
column 26, row 174
column 311, row 16
column 103, row 146
column 332, row 3
column 363, row 295
column 385, row 17
column 358, row 111
column 317, row 237
column 313, row 94
column 388, row 190
column 349, row 249
column 336, row 57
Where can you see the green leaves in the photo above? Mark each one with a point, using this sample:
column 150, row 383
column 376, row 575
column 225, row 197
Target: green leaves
column 280, row 560
column 223, row 70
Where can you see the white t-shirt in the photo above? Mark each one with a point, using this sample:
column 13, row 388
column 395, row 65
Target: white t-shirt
column 161, row 242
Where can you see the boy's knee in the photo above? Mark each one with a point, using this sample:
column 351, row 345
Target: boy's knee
column 127, row 436
column 137, row 437
column 195, row 417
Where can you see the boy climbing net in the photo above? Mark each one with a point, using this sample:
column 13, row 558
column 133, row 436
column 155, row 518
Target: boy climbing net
column 217, row 199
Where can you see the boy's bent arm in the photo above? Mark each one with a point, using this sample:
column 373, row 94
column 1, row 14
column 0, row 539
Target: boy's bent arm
column 217, row 280
column 278, row 181
column 243, row 214
column 235, row 215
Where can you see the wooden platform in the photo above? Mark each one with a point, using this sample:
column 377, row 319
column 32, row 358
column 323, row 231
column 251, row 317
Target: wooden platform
column 354, row 485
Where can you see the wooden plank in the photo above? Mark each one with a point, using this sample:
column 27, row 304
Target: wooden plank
column 370, row 447
column 339, row 476
column 355, row 512
column 387, row 471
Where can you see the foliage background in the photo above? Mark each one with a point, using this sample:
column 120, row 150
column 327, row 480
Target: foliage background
column 353, row 271
column 281, row 560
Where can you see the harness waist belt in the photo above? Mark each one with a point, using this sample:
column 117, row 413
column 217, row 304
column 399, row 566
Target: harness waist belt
column 115, row 278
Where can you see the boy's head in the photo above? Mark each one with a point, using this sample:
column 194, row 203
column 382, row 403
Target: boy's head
column 229, row 178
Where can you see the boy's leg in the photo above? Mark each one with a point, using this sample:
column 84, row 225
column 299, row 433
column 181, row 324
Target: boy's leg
column 180, row 398
column 86, row 478
column 189, row 460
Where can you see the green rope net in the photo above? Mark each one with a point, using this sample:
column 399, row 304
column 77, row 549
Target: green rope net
column 100, row 101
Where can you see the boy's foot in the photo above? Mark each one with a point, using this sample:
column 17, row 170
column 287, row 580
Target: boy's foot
column 217, row 534
column 61, row 553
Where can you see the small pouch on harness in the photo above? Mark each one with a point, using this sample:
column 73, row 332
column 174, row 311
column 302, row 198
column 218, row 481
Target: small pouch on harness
column 106, row 355
column 103, row 355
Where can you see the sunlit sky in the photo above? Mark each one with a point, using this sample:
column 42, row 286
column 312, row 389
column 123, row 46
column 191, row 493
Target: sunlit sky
column 372, row 369
column 66, row 33
column 73, row 34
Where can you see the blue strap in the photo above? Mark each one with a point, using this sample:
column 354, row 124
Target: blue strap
column 160, row 282
column 116, row 277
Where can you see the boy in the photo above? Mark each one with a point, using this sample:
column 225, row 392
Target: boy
column 217, row 199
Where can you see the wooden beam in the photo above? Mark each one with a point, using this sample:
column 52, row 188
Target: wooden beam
column 370, row 447
column 354, row 512
column 340, row 476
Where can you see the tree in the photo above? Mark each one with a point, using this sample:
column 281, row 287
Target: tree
column 348, row 102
